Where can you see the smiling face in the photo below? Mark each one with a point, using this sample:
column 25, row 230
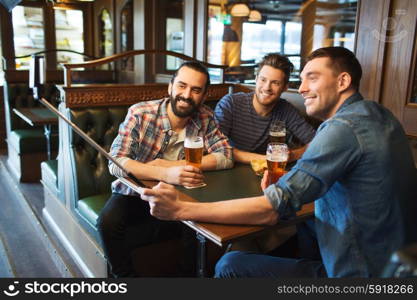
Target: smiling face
column 187, row 92
column 270, row 84
column 322, row 89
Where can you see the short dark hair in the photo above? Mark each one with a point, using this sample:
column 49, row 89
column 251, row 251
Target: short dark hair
column 279, row 62
column 341, row 60
column 195, row 65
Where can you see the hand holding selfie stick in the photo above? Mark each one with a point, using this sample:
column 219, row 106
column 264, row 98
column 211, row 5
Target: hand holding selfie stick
column 35, row 81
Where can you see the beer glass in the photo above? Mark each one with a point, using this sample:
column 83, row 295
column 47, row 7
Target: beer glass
column 277, row 132
column 276, row 159
column 193, row 147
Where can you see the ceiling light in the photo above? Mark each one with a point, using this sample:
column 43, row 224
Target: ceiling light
column 255, row 16
column 240, row 10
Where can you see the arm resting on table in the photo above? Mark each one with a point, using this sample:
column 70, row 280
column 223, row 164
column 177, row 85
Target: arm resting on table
column 246, row 157
column 166, row 205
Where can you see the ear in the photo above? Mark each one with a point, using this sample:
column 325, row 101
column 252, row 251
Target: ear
column 344, row 81
column 169, row 88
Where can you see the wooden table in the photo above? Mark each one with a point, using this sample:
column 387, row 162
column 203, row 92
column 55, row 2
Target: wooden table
column 37, row 116
column 239, row 182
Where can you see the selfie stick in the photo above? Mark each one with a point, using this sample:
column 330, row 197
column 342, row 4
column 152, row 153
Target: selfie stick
column 34, row 83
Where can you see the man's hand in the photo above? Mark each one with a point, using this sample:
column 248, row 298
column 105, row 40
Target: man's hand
column 184, row 175
column 265, row 180
column 163, row 201
column 295, row 154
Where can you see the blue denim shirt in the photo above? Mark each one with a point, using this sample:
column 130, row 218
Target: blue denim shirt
column 357, row 169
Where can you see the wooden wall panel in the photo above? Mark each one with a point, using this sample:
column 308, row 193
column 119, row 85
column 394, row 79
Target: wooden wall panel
column 399, row 55
column 370, row 45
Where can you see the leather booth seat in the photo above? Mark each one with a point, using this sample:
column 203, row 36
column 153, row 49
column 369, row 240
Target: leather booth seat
column 26, row 144
column 92, row 179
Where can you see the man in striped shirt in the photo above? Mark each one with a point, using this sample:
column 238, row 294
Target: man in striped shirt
column 245, row 118
column 150, row 145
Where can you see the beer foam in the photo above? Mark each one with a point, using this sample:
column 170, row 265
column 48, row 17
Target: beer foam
column 277, row 133
column 194, row 143
column 280, row 157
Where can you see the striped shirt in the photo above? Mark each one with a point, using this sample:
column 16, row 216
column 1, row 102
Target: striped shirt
column 249, row 131
column 146, row 131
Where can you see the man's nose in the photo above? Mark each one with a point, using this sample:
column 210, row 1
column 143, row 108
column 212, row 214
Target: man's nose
column 303, row 87
column 187, row 93
column 268, row 85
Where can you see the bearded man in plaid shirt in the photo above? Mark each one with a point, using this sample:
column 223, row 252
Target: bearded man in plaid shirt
column 150, row 145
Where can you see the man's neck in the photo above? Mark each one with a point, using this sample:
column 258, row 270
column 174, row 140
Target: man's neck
column 177, row 123
column 262, row 110
column 343, row 97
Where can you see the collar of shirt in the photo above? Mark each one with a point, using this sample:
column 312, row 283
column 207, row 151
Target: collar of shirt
column 352, row 99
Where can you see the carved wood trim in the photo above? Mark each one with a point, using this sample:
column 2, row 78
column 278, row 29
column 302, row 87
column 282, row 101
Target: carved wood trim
column 110, row 95
column 86, row 95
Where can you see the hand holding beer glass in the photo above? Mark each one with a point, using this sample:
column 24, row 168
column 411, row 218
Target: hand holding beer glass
column 193, row 147
column 277, row 132
column 276, row 159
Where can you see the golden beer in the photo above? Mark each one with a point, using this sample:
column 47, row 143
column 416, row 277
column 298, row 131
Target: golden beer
column 193, row 148
column 276, row 158
column 275, row 169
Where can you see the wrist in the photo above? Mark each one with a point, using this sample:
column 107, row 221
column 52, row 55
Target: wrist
column 161, row 174
column 183, row 207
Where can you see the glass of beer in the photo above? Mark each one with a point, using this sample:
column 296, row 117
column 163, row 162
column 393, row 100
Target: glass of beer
column 276, row 159
column 193, row 146
column 277, row 132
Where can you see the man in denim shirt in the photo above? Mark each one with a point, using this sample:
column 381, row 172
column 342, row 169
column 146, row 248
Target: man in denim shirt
column 358, row 169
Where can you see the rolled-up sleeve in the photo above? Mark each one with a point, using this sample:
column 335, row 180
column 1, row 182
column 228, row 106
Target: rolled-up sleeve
column 292, row 191
column 218, row 144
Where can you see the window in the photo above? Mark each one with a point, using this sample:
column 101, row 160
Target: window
column 260, row 39
column 28, row 33
column 69, row 34
column 106, row 34
column 291, row 28
column 174, row 41
column 215, row 35
column 174, row 31
column 126, row 35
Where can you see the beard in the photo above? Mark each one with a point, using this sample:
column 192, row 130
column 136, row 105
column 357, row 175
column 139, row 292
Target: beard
column 183, row 113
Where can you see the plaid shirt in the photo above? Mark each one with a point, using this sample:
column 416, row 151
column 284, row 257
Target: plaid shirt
column 146, row 131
